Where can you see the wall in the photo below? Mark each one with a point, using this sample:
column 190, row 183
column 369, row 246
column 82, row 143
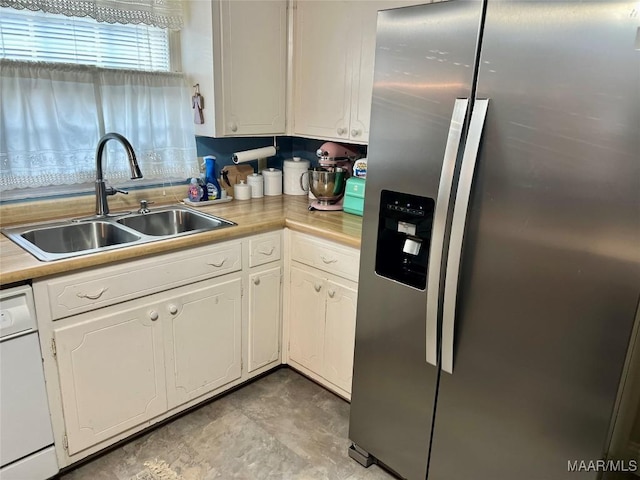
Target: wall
column 288, row 147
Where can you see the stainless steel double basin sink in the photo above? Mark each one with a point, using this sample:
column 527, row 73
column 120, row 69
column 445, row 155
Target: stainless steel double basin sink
column 72, row 238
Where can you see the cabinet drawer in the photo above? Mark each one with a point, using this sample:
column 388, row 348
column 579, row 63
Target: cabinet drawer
column 264, row 249
column 81, row 292
column 324, row 255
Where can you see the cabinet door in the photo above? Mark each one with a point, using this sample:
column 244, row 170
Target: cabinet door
column 202, row 339
column 306, row 322
column 364, row 14
column 264, row 317
column 111, row 369
column 254, row 66
column 340, row 331
column 322, row 69
column 365, row 17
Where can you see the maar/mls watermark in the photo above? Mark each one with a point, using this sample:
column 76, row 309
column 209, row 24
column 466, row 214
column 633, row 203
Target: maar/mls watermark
column 602, row 466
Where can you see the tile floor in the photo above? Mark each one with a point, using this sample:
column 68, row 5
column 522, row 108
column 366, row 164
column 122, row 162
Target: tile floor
column 280, row 427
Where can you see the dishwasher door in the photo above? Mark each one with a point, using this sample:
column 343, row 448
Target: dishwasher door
column 26, row 437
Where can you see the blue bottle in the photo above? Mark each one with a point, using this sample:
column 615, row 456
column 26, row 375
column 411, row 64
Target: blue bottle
column 213, row 187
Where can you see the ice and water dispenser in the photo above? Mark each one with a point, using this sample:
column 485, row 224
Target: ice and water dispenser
column 404, row 236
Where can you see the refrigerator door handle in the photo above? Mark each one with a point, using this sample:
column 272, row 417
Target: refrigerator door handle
column 458, row 118
column 458, row 223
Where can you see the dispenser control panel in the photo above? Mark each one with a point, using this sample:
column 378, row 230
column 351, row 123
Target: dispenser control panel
column 404, row 237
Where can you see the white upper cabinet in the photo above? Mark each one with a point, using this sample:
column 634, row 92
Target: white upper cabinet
column 334, row 52
column 237, row 52
column 322, row 66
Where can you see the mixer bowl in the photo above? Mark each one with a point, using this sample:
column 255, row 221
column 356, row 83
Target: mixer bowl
column 327, row 185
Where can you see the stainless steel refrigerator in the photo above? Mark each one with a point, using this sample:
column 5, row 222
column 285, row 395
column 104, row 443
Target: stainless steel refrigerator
column 500, row 263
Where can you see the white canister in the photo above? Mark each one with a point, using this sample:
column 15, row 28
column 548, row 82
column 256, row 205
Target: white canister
column 293, row 170
column 255, row 182
column 272, row 181
column 242, row 191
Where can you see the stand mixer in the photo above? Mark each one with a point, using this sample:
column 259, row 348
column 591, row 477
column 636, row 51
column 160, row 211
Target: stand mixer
column 327, row 182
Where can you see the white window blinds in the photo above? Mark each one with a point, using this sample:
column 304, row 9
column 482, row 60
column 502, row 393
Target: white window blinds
column 36, row 36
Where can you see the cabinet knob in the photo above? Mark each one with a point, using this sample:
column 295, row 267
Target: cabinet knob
column 234, row 127
column 173, row 309
column 317, row 287
column 153, row 315
column 332, row 293
column 256, row 281
column 355, row 133
column 341, row 131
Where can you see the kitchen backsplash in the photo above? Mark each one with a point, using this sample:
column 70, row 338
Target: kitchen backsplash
column 288, row 147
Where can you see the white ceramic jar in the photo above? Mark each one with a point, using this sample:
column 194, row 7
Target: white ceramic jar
column 256, row 183
column 272, row 181
column 242, row 191
column 293, row 171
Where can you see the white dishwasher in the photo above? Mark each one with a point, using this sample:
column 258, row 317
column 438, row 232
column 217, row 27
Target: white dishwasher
column 26, row 438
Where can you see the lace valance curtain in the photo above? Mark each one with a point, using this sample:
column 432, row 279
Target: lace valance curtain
column 53, row 115
column 159, row 13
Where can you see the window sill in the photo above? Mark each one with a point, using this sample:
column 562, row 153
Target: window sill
column 70, row 191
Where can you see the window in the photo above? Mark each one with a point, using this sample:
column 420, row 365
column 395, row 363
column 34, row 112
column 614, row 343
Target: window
column 65, row 81
column 39, row 36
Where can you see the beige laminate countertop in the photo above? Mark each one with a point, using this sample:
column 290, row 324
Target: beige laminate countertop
column 252, row 217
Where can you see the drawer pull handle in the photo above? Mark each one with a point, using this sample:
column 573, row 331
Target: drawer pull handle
column 332, row 293
column 218, row 265
column 153, row 315
column 328, row 260
column 264, row 252
column 91, row 296
column 173, row 309
column 256, row 281
column 317, row 287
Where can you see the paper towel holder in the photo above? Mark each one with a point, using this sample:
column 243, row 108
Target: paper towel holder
column 259, row 154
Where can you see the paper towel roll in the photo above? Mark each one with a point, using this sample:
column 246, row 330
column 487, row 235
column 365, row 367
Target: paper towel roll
column 257, row 185
column 272, row 181
column 255, row 154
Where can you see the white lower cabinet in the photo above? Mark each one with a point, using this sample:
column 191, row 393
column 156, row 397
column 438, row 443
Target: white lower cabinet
column 128, row 345
column 322, row 326
column 202, row 340
column 340, row 332
column 265, row 317
column 322, row 310
column 307, row 314
column 111, row 371
column 126, row 364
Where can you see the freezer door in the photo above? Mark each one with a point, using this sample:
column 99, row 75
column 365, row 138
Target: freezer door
column 424, row 64
column 550, row 272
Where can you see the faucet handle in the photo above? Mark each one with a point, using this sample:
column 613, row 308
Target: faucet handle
column 113, row 191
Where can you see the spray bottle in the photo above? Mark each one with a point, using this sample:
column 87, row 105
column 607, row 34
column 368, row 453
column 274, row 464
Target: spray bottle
column 212, row 185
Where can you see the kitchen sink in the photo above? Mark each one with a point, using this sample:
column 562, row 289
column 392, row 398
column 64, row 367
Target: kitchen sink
column 173, row 221
column 78, row 237
column 59, row 240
